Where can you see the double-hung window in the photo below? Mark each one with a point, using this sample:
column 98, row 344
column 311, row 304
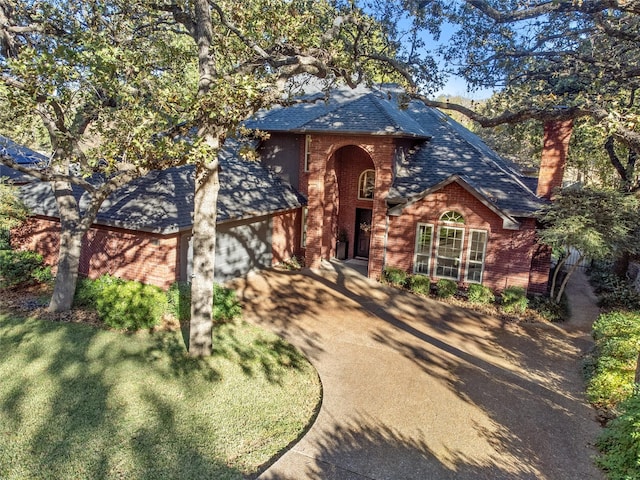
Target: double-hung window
column 449, row 252
column 424, row 240
column 477, row 248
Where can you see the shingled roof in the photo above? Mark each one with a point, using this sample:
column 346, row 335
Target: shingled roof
column 454, row 151
column 447, row 151
column 346, row 111
column 162, row 201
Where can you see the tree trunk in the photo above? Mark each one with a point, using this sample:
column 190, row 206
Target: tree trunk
column 71, row 233
column 637, row 378
column 556, row 272
column 204, row 244
column 67, row 275
column 566, row 278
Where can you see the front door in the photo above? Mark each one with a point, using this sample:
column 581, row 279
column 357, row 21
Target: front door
column 363, row 232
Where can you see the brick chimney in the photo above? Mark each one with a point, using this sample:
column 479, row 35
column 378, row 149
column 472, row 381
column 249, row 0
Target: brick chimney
column 557, row 134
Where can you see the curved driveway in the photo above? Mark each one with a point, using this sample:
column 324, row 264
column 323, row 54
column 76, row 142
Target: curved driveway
column 415, row 389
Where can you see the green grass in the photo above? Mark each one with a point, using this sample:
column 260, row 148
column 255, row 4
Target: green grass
column 79, row 402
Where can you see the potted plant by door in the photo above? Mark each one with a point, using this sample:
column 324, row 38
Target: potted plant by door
column 342, row 245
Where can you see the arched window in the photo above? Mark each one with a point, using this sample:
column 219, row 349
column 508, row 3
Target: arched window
column 452, row 216
column 366, row 185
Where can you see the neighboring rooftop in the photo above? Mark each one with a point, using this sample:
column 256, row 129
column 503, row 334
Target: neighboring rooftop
column 21, row 155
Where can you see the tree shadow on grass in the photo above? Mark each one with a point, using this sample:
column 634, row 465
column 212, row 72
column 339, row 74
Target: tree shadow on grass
column 63, row 399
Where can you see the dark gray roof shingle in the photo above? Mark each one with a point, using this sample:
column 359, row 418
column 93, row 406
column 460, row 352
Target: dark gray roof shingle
column 454, row 150
column 346, row 111
column 162, row 201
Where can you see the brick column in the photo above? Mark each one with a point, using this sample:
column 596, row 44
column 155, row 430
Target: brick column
column 554, row 156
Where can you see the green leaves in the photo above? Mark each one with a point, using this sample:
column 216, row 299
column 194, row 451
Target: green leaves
column 598, row 223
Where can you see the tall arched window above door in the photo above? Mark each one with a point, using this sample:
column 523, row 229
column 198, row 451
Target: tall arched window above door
column 366, row 185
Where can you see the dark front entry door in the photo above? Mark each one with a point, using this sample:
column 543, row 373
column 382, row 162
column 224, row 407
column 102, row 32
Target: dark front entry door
column 363, row 232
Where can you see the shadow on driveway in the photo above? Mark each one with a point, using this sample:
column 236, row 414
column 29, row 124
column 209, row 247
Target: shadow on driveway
column 417, row 389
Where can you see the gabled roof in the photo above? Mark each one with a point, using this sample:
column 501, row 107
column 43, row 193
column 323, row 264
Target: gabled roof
column 21, row 155
column 162, row 201
column 455, row 151
column 346, row 111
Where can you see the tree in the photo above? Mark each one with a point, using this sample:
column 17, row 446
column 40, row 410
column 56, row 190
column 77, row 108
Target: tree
column 549, row 60
column 101, row 85
column 252, row 55
column 596, row 223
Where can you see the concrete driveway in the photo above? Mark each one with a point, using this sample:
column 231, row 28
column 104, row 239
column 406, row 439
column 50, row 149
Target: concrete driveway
column 415, row 389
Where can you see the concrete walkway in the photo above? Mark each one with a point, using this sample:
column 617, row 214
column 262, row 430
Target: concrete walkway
column 415, row 389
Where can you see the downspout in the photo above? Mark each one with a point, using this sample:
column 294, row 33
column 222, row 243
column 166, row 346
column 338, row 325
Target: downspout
column 386, row 240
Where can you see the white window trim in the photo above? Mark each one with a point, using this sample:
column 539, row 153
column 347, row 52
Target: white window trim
column 415, row 249
column 307, row 152
column 303, row 227
column 361, row 179
column 436, row 256
column 484, row 255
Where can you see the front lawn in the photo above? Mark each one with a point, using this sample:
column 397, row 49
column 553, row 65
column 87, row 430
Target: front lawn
column 80, row 402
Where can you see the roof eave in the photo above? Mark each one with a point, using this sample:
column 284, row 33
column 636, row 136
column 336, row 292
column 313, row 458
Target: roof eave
column 508, row 220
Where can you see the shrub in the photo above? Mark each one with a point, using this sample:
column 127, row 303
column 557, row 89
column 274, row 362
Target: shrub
column 226, row 306
column 617, row 336
column 123, row 304
column 18, row 267
column 480, row 294
column 514, row 300
column 395, row 276
column 446, row 288
column 620, row 443
column 420, row 284
column 550, row 310
column 5, row 239
column 179, row 300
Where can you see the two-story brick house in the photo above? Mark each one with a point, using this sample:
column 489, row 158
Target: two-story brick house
column 404, row 185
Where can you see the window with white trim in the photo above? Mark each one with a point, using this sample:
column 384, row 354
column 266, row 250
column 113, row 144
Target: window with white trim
column 449, row 252
column 366, row 185
column 307, row 152
column 424, row 240
column 303, row 228
column 477, row 249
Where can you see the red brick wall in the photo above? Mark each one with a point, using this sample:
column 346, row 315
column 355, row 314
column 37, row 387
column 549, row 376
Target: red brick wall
column 38, row 234
column 554, row 156
column 144, row 257
column 319, row 184
column 509, row 253
column 285, row 240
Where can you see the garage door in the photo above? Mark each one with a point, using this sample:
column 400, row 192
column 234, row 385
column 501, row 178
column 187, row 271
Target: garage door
column 243, row 246
column 240, row 247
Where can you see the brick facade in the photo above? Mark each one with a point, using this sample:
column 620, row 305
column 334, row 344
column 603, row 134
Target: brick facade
column 513, row 257
column 554, row 156
column 145, row 257
column 335, row 165
column 508, row 254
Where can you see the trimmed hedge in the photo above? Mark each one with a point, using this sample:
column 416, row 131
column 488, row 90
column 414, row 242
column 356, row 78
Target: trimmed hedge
column 480, row 294
column 617, row 337
column 18, row 267
column 123, row 304
column 620, row 443
column 446, row 288
column 395, row 276
column 226, row 306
